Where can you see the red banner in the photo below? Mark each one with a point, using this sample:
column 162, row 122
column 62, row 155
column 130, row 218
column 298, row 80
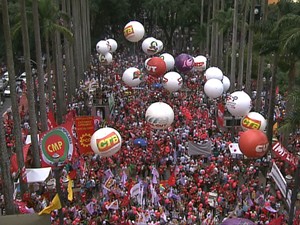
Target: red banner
column 51, row 120
column 282, row 153
column 84, row 130
column 220, row 116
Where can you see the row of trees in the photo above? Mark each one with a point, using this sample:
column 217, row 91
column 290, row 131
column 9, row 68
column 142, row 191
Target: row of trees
column 240, row 37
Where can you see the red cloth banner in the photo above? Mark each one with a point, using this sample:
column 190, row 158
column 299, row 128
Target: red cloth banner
column 51, row 120
column 220, row 116
column 282, row 153
column 84, row 129
column 13, row 159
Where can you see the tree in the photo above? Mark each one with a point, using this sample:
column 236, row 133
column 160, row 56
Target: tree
column 30, row 88
column 14, row 102
column 234, row 46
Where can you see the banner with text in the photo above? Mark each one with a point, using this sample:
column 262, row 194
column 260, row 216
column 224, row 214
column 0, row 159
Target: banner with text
column 84, row 129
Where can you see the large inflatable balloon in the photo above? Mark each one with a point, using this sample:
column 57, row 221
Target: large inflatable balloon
column 102, row 47
column 112, row 44
column 200, row 63
column 150, row 46
column 253, row 143
column 184, row 62
column 226, row 83
column 134, row 31
column 106, row 58
column 213, row 88
column 106, row 142
column 172, row 81
column 132, row 77
column 213, row 72
column 169, row 60
column 159, row 115
column 156, row 66
column 237, row 221
column 254, row 120
column 238, row 103
column 160, row 45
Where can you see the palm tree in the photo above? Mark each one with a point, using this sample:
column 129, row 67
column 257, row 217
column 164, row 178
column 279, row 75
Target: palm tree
column 40, row 69
column 14, row 101
column 30, row 88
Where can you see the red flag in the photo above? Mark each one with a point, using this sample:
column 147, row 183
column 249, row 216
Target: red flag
column 13, row 159
column 51, row 120
column 125, row 202
column 84, row 129
column 70, row 115
column 172, row 180
column 220, row 116
column 277, row 221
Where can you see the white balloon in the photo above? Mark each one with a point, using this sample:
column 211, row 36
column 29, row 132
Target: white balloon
column 160, row 45
column 102, row 47
column 113, row 45
column 134, row 31
column 172, row 81
column 200, row 63
column 132, row 77
column 254, row 120
column 238, row 103
column 159, row 115
column 169, row 60
column 150, row 46
column 213, row 88
column 106, row 142
column 226, row 83
column 213, row 72
column 106, row 59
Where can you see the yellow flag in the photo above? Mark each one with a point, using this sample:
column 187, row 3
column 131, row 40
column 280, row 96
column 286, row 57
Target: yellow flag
column 70, row 189
column 55, row 204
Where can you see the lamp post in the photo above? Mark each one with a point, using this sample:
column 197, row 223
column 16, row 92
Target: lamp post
column 294, row 194
column 288, row 179
column 57, row 171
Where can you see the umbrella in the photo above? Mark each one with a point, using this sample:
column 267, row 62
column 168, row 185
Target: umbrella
column 237, row 221
column 140, row 141
column 157, row 85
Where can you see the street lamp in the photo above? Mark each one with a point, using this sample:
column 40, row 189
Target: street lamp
column 289, row 180
column 57, row 172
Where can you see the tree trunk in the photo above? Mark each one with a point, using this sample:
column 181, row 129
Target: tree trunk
column 250, row 50
column 208, row 28
column 40, row 69
column 13, row 94
column 50, row 74
column 220, row 57
column 30, row 88
column 242, row 46
column 214, row 36
column 234, row 47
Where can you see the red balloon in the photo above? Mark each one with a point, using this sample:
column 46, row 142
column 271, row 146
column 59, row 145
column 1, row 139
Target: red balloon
column 253, row 143
column 156, row 67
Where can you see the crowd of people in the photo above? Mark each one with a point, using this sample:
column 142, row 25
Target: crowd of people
column 158, row 181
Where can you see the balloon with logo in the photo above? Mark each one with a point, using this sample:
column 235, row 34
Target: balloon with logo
column 213, row 88
column 106, row 142
column 184, row 62
column 253, row 143
column 134, row 31
column 132, row 77
column 238, row 103
column 156, row 66
column 112, row 44
column 102, row 47
column 226, row 83
column 200, row 62
column 150, row 46
column 254, row 120
column 172, row 81
column 106, row 58
column 169, row 60
column 213, row 72
column 159, row 115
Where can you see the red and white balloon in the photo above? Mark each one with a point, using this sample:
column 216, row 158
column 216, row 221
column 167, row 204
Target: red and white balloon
column 200, row 62
column 102, row 47
column 150, row 46
column 238, row 103
column 132, row 77
column 106, row 58
column 159, row 115
column 213, row 72
column 106, row 142
column 172, row 81
column 134, row 31
column 253, row 143
column 254, row 120
column 156, row 66
column 169, row 60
